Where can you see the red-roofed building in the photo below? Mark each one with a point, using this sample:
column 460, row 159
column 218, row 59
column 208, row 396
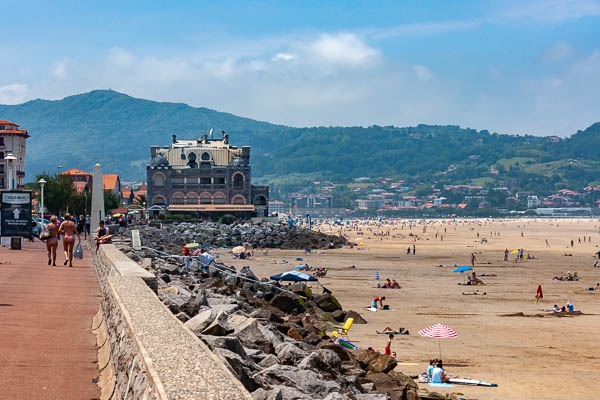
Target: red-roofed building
column 80, row 180
column 112, row 183
column 12, row 141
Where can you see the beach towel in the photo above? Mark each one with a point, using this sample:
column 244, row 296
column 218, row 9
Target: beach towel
column 392, row 333
column 440, row 385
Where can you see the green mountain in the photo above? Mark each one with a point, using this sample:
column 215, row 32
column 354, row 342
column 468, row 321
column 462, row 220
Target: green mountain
column 117, row 130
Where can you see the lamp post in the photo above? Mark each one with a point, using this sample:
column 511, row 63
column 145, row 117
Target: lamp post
column 42, row 181
column 11, row 160
column 59, row 168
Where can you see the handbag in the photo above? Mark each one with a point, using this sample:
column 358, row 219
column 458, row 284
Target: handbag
column 45, row 235
column 78, row 251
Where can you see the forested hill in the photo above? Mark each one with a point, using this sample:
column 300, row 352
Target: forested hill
column 118, row 130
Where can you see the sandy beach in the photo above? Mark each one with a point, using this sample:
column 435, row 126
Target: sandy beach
column 529, row 357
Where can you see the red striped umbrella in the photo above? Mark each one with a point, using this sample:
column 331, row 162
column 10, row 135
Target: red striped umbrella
column 438, row 331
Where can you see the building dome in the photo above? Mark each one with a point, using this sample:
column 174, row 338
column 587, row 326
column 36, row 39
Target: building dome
column 159, row 161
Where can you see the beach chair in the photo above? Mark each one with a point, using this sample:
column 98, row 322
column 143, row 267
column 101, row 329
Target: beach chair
column 344, row 331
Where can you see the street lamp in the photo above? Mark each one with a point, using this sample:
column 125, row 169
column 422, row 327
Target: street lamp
column 59, row 168
column 42, row 181
column 11, row 159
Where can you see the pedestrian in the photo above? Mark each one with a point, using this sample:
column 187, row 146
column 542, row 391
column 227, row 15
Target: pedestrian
column 388, row 347
column 52, row 241
column 472, row 259
column 88, row 222
column 122, row 227
column 81, row 224
column 69, row 230
column 414, row 250
column 506, row 255
column 408, row 251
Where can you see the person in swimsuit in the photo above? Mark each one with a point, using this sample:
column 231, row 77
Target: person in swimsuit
column 102, row 235
column 52, row 241
column 69, row 230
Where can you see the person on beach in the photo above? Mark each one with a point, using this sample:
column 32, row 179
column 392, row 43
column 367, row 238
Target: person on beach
column 69, row 230
column 52, row 241
column 102, row 235
column 473, row 259
column 506, row 253
column 388, row 347
column 437, row 374
column 378, row 299
column 432, row 363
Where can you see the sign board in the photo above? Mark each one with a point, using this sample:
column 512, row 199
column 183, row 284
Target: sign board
column 15, row 213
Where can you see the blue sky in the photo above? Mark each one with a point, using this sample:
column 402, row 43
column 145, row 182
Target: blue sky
column 507, row 66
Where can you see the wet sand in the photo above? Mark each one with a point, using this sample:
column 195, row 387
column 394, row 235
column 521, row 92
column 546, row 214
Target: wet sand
column 528, row 357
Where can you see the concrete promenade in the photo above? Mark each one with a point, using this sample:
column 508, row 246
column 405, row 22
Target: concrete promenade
column 47, row 348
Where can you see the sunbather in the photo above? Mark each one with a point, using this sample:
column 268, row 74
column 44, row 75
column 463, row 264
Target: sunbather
column 395, row 285
column 388, row 330
column 438, row 375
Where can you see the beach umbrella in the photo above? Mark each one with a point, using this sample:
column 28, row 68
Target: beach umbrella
column 294, row 276
column 192, row 246
column 463, row 268
column 238, row 249
column 438, row 331
column 514, row 251
column 376, row 277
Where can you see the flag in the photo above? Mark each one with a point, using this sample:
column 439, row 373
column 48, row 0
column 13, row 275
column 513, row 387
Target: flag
column 539, row 295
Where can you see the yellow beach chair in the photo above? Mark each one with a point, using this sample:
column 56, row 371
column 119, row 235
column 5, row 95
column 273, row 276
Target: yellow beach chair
column 344, row 331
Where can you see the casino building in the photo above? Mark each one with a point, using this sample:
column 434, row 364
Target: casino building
column 204, row 177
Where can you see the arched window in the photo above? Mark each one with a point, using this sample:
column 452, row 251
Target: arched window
column 205, row 198
column 238, row 181
column 237, row 199
column 219, row 198
column 178, row 198
column 205, row 156
column 191, row 198
column 159, row 180
column 159, row 201
column 192, row 160
column 260, row 200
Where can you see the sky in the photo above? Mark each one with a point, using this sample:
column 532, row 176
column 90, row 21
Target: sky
column 519, row 67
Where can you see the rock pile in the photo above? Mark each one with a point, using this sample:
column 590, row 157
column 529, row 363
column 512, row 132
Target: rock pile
column 261, row 332
column 265, row 233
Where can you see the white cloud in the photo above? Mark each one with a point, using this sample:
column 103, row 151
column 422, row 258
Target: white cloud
column 346, row 49
column 422, row 72
column 13, row 93
column 59, row 69
column 284, row 57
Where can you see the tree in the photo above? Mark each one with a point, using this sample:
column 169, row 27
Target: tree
column 111, row 200
column 140, row 200
column 59, row 195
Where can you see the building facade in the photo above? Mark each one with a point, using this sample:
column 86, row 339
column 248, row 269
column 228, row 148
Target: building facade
column 12, row 155
column 206, row 175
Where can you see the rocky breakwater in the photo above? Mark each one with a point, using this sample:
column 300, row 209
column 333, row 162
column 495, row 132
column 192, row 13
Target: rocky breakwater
column 263, row 335
column 171, row 236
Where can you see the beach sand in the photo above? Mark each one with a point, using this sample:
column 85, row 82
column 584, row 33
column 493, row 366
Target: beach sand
column 528, row 357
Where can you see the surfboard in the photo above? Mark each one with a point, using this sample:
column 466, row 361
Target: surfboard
column 473, row 382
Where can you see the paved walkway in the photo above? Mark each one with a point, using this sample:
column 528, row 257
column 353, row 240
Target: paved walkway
column 47, row 348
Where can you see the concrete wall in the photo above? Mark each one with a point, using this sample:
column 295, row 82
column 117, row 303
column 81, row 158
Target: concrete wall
column 144, row 351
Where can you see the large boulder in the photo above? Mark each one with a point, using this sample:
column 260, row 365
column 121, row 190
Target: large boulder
column 262, row 394
column 230, row 343
column 342, row 352
column 396, row 385
column 193, row 305
column 288, row 303
column 358, row 319
column 322, row 360
column 239, row 367
column 327, row 302
column 375, row 361
column 289, row 353
column 218, row 327
column 250, row 333
column 201, row 321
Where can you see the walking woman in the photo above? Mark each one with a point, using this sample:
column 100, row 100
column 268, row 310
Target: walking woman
column 69, row 230
column 52, row 241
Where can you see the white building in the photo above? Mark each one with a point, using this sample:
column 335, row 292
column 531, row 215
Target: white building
column 533, row 202
column 12, row 142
